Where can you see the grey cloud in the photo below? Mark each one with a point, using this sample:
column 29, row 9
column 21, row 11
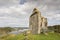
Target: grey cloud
column 49, row 9
column 52, row 4
column 8, row 2
column 13, row 22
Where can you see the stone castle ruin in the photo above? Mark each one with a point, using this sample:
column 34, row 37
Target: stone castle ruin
column 37, row 22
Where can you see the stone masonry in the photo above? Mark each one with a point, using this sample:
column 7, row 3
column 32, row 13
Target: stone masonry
column 37, row 23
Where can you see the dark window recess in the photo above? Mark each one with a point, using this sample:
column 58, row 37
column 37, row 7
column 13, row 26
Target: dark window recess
column 36, row 12
column 41, row 24
column 45, row 24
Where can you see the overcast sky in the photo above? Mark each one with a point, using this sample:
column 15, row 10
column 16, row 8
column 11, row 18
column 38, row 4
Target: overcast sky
column 15, row 13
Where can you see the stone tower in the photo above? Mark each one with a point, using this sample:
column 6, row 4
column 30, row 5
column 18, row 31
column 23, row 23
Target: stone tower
column 37, row 23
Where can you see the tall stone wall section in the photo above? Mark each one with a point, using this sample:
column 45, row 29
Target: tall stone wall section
column 37, row 23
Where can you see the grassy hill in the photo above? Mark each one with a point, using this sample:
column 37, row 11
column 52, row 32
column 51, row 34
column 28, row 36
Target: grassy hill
column 5, row 30
column 50, row 36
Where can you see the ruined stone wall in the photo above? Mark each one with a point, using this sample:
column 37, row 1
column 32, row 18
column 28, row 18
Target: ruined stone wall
column 37, row 22
column 44, row 24
column 34, row 23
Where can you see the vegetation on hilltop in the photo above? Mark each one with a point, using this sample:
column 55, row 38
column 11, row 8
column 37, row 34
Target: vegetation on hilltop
column 5, row 30
column 50, row 36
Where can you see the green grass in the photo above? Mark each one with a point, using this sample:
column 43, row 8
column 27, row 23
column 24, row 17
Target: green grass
column 13, row 37
column 50, row 36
